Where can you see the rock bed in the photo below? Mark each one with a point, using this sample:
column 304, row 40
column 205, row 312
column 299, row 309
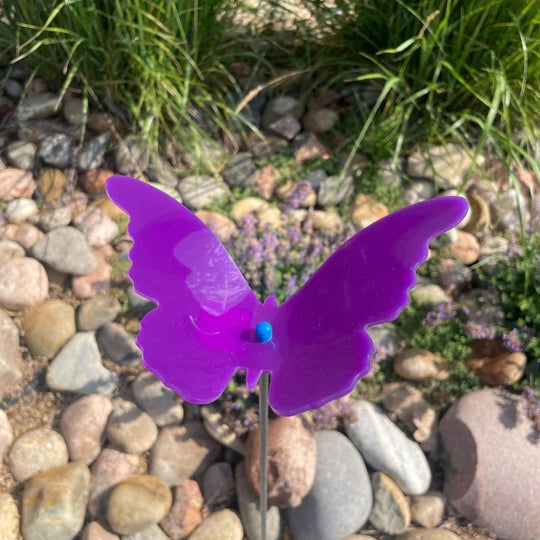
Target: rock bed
column 95, row 447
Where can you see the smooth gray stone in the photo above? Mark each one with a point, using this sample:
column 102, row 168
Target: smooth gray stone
column 77, row 368
column 387, row 449
column 250, row 510
column 65, row 249
column 332, row 190
column 37, row 106
column 240, row 171
column 118, row 345
column 200, row 191
column 341, row 499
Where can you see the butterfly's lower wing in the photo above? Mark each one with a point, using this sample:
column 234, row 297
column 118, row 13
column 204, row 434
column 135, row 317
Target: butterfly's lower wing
column 320, row 332
column 198, row 335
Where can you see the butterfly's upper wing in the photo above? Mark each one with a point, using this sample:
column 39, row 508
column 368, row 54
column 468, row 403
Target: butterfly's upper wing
column 320, row 332
column 200, row 331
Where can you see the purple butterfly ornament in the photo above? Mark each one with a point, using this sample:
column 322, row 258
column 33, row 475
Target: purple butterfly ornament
column 209, row 323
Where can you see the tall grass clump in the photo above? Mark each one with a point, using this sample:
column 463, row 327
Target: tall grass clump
column 467, row 70
column 160, row 61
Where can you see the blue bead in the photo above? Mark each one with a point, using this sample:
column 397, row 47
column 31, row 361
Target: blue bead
column 263, row 331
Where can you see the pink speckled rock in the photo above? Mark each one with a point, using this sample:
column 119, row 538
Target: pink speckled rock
column 494, row 454
column 23, row 284
column 16, row 183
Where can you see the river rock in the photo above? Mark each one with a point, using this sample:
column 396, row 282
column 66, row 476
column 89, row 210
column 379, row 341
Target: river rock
column 465, row 249
column 139, row 303
column 19, row 210
column 98, row 228
column 250, row 510
column 21, row 154
column 36, row 451
column 428, row 510
column 23, row 284
column 6, row 434
column 390, row 513
column 222, row 525
column 280, row 106
column 48, row 326
column 137, row 503
column 479, row 483
column 421, row 365
column 132, row 156
column 111, row 467
column 37, row 106
column 387, row 449
column 453, row 277
column 92, row 152
column 51, row 184
column 320, row 120
column 199, row 191
column 9, row 524
column 221, row 431
column 246, row 206
column 97, row 312
column 55, row 217
column 479, row 213
column 365, row 210
column 118, row 345
column 154, row 532
column 406, row 403
column 418, row 190
column 287, row 127
column 186, row 512
column 182, row 452
column 16, row 183
column 56, row 150
column 10, row 355
column 161, row 403
column 94, row 531
column 334, row 190
column 65, row 249
column 10, row 250
column 307, row 146
column 93, row 181
column 218, row 486
column 129, row 428
column 223, row 227
column 78, row 368
column 240, row 171
column 429, row 294
column 266, row 181
column 291, row 460
column 494, row 364
column 341, row 498
column 54, row 503
column 25, row 234
column 428, row 534
column 83, row 425
column 99, row 280
column 446, row 164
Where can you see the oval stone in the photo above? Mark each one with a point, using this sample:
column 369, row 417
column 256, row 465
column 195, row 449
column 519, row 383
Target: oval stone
column 9, row 522
column 137, row 503
column 35, row 451
column 83, row 425
column 129, row 428
column 222, row 525
column 10, row 355
column 54, row 503
column 341, row 498
column 23, row 284
column 48, row 326
column 186, row 512
column 97, row 311
column 387, row 449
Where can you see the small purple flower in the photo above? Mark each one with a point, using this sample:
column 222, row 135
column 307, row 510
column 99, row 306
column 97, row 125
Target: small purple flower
column 298, row 194
column 479, row 330
column 511, row 340
column 441, row 313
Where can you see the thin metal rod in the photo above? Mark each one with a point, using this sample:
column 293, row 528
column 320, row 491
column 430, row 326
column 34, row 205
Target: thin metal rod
column 263, row 433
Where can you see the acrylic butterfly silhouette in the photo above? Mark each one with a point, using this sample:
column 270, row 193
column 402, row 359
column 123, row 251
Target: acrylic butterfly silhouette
column 208, row 321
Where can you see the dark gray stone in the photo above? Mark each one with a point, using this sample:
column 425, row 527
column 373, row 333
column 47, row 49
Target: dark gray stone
column 118, row 345
column 250, row 510
column 137, row 302
column 132, row 156
column 91, row 155
column 341, row 499
column 161, row 172
column 334, row 190
column 240, row 171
